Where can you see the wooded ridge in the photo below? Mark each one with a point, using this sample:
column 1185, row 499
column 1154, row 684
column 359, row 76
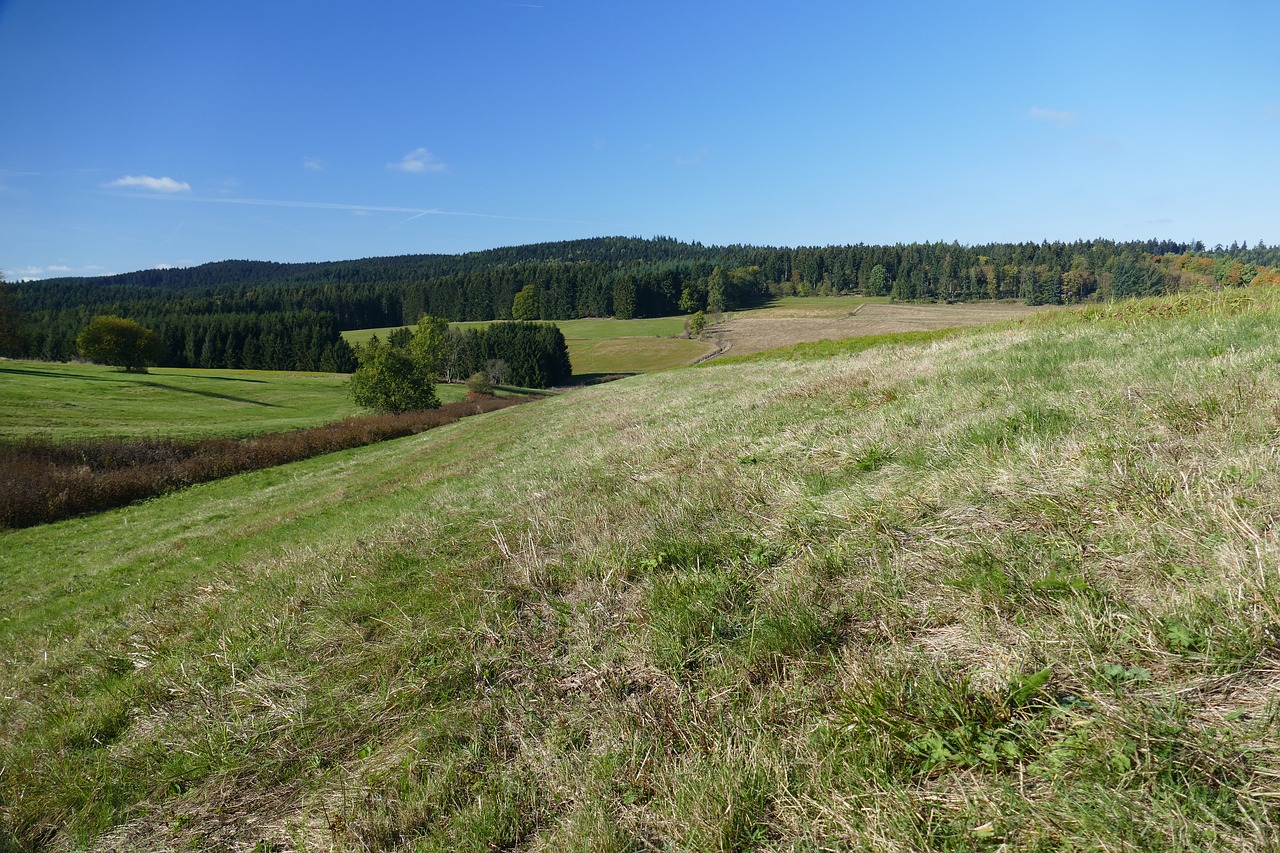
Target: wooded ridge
column 257, row 314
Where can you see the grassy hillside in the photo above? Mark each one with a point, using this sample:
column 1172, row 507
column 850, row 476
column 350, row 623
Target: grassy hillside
column 1013, row 587
column 75, row 401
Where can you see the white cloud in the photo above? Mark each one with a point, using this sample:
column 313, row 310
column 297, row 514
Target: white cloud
column 1058, row 117
column 52, row 270
column 418, row 160
column 313, row 164
column 164, row 185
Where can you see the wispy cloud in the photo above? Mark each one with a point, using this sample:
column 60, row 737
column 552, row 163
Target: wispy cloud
column 417, row 161
column 164, row 185
column 362, row 209
column 51, row 271
column 313, row 164
column 1056, row 117
column 692, row 159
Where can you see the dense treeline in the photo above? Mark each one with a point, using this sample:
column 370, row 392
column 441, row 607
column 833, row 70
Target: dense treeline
column 522, row 354
column 288, row 316
column 531, row 355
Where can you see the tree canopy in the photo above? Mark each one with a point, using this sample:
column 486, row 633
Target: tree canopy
column 120, row 342
column 391, row 379
column 13, row 337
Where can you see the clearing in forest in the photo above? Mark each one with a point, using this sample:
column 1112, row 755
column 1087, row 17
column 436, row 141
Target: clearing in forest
column 803, row 319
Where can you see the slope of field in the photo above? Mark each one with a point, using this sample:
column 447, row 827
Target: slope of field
column 75, row 401
column 806, row 319
column 1014, row 587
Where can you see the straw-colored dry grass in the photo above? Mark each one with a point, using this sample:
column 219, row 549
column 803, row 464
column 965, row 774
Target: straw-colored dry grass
column 1014, row 588
column 848, row 317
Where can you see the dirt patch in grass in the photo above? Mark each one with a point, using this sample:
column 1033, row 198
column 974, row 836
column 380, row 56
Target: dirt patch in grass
column 778, row 327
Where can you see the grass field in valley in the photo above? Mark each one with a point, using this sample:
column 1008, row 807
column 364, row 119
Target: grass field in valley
column 77, row 401
column 600, row 346
column 1012, row 589
column 790, row 320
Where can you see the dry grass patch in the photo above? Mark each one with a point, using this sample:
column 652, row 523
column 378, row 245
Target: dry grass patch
column 770, row 328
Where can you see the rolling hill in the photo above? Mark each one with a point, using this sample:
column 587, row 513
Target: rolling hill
column 1012, row 586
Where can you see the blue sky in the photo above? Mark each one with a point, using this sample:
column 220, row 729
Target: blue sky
column 173, row 133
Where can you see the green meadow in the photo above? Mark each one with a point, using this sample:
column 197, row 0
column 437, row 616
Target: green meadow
column 76, row 401
column 1001, row 589
column 599, row 346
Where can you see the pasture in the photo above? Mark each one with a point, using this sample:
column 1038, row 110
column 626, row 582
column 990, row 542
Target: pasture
column 601, row 346
column 792, row 320
column 1012, row 588
column 62, row 402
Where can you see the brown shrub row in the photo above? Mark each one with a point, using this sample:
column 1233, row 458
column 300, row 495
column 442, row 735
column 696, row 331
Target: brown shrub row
column 42, row 481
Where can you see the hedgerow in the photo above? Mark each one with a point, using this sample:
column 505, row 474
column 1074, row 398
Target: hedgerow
column 42, row 481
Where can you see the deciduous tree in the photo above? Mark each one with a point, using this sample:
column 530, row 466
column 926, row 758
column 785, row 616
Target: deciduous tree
column 525, row 305
column 390, row 379
column 118, row 341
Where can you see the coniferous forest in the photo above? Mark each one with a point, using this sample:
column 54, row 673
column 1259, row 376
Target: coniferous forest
column 264, row 315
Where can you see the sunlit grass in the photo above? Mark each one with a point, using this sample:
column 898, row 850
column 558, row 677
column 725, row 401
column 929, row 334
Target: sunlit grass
column 71, row 401
column 590, row 328
column 76, row 401
column 1014, row 587
column 634, row 355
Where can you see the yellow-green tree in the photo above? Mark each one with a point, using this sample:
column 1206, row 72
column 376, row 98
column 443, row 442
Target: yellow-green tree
column 115, row 340
column 525, row 305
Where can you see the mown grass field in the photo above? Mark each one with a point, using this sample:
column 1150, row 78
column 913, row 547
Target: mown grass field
column 76, row 401
column 599, row 346
column 1010, row 589
column 791, row 320
column 813, row 306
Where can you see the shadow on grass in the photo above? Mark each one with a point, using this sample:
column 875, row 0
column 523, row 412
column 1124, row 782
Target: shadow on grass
column 219, row 378
column 135, row 378
column 213, row 394
column 597, row 378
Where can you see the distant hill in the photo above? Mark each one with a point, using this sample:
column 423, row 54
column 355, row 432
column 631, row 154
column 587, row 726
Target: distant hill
column 249, row 314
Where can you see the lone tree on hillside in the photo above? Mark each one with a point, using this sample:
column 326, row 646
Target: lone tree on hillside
column 391, row 379
column 124, row 343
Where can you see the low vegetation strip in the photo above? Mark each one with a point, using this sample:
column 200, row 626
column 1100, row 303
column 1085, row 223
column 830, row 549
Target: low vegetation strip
column 43, row 481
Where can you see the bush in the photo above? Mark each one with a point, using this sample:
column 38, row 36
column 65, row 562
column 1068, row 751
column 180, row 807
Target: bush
column 697, row 323
column 390, row 379
column 478, row 383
